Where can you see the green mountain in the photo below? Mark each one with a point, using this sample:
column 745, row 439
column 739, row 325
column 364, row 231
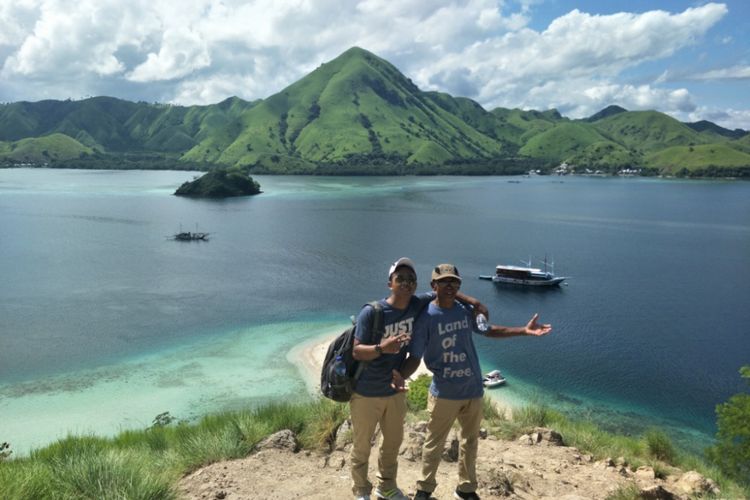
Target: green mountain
column 357, row 114
column 357, row 104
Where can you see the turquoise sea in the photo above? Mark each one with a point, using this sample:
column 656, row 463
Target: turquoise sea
column 105, row 322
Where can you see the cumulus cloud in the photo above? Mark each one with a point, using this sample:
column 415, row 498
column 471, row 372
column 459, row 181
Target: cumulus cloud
column 575, row 46
column 182, row 51
column 202, row 51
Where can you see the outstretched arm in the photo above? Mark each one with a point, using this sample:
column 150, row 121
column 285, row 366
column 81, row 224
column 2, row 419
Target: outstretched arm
column 532, row 328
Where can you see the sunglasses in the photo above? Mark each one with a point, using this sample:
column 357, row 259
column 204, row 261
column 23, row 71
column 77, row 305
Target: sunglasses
column 451, row 282
column 405, row 278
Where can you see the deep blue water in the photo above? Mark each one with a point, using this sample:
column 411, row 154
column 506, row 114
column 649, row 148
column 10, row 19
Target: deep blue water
column 651, row 330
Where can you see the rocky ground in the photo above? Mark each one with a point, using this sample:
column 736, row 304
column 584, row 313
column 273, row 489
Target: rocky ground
column 536, row 466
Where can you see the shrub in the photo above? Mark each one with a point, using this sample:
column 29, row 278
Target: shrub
column 416, row 396
column 731, row 453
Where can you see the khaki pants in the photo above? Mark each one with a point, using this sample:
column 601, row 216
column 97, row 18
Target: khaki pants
column 443, row 412
column 390, row 413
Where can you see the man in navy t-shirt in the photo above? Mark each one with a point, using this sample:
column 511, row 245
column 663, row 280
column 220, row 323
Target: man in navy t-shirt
column 443, row 337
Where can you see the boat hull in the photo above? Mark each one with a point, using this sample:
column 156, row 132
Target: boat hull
column 528, row 282
column 492, row 384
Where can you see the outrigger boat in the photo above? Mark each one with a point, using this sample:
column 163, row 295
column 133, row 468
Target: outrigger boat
column 189, row 236
column 493, row 379
column 525, row 275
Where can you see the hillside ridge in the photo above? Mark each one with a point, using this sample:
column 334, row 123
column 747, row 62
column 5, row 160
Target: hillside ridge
column 359, row 114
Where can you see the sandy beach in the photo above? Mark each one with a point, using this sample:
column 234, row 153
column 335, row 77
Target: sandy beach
column 308, row 358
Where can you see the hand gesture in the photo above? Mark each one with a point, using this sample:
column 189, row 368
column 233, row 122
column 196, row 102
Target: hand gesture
column 392, row 345
column 536, row 329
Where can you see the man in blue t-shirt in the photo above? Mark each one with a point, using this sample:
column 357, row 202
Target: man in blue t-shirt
column 443, row 337
column 379, row 394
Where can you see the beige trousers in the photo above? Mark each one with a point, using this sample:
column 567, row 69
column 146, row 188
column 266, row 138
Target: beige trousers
column 390, row 413
column 443, row 412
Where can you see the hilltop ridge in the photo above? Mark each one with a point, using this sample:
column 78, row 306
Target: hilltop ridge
column 359, row 114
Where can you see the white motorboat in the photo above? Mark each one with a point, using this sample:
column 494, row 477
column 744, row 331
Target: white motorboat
column 526, row 275
column 493, row 379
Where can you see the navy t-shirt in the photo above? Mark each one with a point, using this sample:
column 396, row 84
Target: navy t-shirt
column 443, row 338
column 375, row 380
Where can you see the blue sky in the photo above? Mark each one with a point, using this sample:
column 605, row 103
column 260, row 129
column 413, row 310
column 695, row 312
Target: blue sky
column 690, row 59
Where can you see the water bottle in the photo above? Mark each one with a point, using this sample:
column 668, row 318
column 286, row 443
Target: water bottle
column 482, row 324
column 339, row 367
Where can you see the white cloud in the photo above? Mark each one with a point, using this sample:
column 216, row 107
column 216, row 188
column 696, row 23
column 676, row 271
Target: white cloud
column 181, row 52
column 739, row 72
column 576, row 45
column 16, row 19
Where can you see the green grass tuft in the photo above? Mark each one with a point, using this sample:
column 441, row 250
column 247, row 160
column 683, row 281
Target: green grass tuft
column 660, row 446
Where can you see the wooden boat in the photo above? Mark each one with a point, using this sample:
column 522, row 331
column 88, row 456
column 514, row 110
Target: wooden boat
column 525, row 275
column 188, row 236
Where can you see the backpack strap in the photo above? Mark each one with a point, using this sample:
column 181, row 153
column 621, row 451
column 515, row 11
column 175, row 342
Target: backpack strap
column 377, row 327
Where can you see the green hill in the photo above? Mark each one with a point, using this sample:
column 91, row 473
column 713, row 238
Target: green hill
column 55, row 147
column 711, row 129
column 648, row 131
column 702, row 159
column 354, row 114
column 529, row 123
column 562, row 141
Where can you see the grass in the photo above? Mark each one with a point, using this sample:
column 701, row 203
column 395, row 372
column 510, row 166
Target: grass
column 147, row 463
column 626, row 492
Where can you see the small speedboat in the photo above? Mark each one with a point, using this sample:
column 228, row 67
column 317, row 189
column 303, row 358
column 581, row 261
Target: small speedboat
column 493, row 379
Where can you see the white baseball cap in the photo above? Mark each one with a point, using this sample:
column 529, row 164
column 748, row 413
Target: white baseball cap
column 403, row 261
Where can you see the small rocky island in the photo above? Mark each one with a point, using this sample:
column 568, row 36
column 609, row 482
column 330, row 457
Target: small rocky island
column 220, row 183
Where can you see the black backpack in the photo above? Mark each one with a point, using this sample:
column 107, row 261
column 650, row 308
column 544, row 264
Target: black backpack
column 340, row 387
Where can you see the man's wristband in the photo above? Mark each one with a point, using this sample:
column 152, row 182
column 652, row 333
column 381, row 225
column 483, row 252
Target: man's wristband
column 378, row 349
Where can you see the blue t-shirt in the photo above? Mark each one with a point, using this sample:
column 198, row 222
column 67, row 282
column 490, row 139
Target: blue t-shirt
column 443, row 337
column 375, row 380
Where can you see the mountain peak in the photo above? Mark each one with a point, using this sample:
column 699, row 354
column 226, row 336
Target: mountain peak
column 606, row 112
